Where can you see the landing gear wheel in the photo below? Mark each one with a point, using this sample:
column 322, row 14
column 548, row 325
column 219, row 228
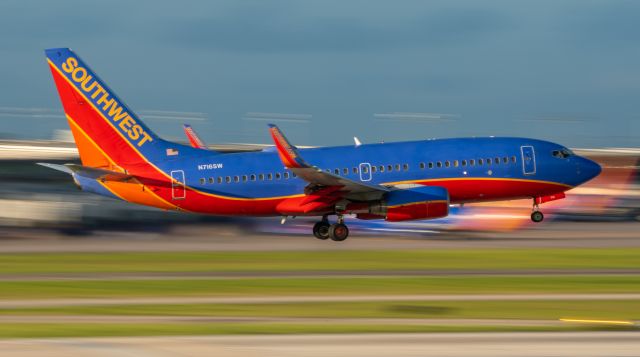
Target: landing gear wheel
column 537, row 216
column 321, row 230
column 338, row 232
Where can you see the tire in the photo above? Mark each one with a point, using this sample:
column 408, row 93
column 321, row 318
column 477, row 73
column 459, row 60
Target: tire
column 321, row 230
column 537, row 216
column 338, row 232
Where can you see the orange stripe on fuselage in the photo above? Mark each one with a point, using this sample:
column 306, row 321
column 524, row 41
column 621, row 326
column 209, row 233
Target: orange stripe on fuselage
column 135, row 192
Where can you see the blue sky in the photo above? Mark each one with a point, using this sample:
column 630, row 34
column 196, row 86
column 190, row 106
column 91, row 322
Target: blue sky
column 567, row 71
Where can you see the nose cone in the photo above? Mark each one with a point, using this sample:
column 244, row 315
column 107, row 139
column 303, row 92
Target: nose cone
column 588, row 169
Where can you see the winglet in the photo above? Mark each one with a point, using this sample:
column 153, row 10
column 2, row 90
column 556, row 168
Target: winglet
column 194, row 139
column 287, row 152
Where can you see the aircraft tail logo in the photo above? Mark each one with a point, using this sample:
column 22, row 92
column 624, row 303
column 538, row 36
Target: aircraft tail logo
column 106, row 131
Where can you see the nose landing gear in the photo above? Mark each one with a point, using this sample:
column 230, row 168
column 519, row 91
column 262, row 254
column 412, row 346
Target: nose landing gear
column 536, row 215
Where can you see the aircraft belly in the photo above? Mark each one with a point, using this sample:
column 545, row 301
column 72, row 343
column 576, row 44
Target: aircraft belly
column 469, row 190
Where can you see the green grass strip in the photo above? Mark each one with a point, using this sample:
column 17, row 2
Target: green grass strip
column 308, row 261
column 530, row 310
column 40, row 330
column 319, row 286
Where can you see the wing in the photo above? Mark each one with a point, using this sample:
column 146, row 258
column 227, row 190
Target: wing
column 319, row 179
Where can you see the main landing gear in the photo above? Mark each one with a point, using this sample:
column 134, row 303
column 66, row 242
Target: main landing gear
column 337, row 231
column 536, row 215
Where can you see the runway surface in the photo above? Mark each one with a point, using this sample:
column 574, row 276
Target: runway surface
column 216, row 238
column 584, row 344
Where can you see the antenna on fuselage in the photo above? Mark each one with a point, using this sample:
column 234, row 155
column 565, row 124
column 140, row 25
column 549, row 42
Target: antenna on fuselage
column 357, row 141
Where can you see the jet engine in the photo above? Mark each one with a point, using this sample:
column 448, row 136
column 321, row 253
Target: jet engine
column 423, row 202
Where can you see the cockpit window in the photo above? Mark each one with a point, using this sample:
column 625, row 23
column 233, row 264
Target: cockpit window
column 562, row 154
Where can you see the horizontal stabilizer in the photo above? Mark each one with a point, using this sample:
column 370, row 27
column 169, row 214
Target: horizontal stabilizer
column 88, row 172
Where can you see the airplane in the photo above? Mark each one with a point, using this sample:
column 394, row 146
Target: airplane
column 416, row 180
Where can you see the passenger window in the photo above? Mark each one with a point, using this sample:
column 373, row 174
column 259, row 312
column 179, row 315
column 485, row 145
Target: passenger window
column 278, row 176
column 405, row 167
column 431, row 165
column 480, row 162
column 422, row 165
column 219, row 179
column 261, row 177
column 212, row 180
column 252, row 177
column 488, row 161
column 244, row 178
column 269, row 176
column 439, row 164
column 365, row 169
column 228, row 179
column 381, row 168
column 472, row 162
column 505, row 160
column 286, row 175
column 513, row 159
column 447, row 164
column 236, row 178
column 496, row 160
column 389, row 168
column 464, row 163
column 374, row 168
column 203, row 181
column 345, row 171
column 293, row 174
column 355, row 170
column 397, row 167
column 336, row 171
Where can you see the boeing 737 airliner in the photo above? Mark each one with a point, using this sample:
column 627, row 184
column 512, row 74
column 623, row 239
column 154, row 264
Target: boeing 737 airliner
column 123, row 159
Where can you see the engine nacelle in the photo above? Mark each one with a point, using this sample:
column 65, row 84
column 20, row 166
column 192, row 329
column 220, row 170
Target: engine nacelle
column 427, row 202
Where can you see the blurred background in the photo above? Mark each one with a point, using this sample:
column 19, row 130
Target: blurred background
column 79, row 265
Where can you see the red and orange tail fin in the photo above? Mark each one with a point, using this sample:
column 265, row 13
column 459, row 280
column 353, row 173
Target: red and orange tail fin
column 108, row 134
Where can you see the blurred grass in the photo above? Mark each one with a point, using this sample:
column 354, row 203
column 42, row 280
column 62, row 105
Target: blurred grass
column 440, row 259
column 26, row 330
column 318, row 286
column 531, row 310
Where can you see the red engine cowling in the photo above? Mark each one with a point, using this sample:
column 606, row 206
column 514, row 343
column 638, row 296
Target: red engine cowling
column 426, row 202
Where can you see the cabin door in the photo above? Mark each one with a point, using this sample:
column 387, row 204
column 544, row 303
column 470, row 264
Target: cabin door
column 528, row 160
column 365, row 171
column 178, row 192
